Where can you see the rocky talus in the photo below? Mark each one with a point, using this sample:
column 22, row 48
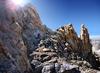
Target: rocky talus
column 65, row 52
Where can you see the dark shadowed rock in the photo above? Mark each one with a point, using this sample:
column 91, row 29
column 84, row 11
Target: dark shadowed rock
column 48, row 69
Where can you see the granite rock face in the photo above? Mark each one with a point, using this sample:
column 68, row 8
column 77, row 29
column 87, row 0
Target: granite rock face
column 20, row 30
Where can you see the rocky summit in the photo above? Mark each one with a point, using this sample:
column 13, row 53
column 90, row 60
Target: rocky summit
column 28, row 46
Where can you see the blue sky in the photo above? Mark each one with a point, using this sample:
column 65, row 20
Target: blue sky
column 56, row 13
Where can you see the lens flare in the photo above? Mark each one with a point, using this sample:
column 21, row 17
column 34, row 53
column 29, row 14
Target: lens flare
column 20, row 2
column 17, row 2
column 13, row 5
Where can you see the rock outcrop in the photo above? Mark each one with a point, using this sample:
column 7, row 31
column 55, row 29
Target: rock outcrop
column 72, row 44
column 67, row 41
column 20, row 30
column 65, row 48
column 87, row 46
column 70, row 37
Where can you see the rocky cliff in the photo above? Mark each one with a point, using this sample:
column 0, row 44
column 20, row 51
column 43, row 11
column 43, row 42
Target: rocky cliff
column 20, row 32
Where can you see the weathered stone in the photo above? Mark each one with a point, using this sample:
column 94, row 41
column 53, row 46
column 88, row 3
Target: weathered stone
column 86, row 47
column 54, row 60
column 17, row 31
column 67, row 68
column 35, row 62
column 46, row 50
column 48, row 69
column 57, row 67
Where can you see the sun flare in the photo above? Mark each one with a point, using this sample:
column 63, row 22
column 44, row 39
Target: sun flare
column 20, row 2
column 17, row 2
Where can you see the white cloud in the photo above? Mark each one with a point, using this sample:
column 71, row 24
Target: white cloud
column 95, row 36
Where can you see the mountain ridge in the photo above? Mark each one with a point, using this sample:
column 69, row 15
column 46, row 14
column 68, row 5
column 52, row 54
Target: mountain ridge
column 28, row 46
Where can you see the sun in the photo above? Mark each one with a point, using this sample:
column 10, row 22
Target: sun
column 17, row 2
column 20, row 2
